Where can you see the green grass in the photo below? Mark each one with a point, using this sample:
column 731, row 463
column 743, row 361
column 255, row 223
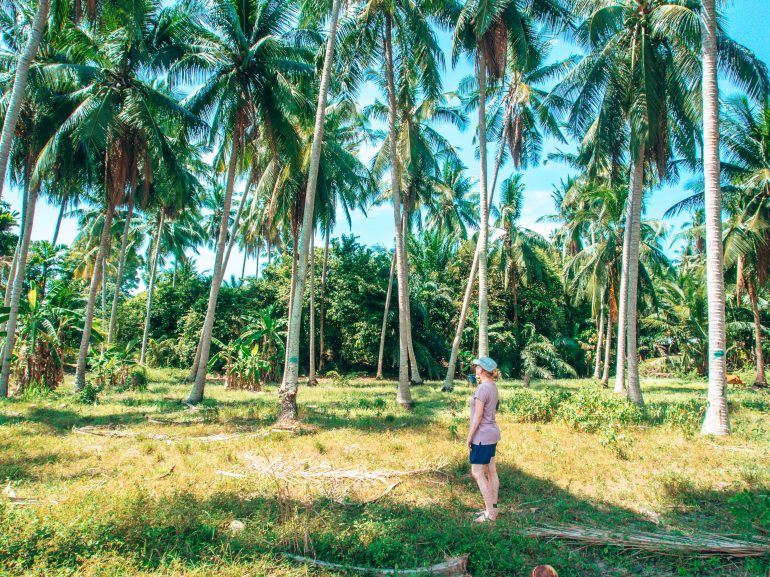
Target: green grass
column 153, row 504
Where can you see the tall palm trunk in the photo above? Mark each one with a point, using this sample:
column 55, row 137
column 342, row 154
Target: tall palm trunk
column 607, row 351
column 96, row 279
column 388, row 294
column 104, row 299
column 759, row 378
column 15, row 262
column 632, row 351
column 288, row 390
column 414, row 368
column 196, row 393
column 121, row 267
column 19, row 87
column 18, row 286
column 451, row 368
column 311, row 378
column 322, row 312
column 620, row 354
column 599, row 339
column 292, row 287
column 151, row 286
column 484, row 208
column 243, row 268
column 716, row 421
column 403, row 394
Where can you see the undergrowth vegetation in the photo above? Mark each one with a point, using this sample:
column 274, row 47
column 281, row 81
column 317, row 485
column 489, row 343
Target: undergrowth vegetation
column 140, row 484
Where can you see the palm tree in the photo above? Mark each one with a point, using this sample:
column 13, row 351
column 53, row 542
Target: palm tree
column 540, row 359
column 402, row 33
column 505, row 34
column 520, row 260
column 107, row 60
column 26, row 56
column 639, row 73
column 425, row 156
column 745, row 138
column 246, row 61
column 716, row 421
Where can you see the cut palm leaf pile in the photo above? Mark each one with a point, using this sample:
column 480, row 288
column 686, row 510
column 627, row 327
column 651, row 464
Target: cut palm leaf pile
column 697, row 544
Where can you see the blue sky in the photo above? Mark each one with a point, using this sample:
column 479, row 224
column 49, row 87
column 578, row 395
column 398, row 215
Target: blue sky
column 746, row 21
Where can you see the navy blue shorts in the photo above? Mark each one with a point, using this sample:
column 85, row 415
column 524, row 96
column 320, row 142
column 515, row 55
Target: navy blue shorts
column 482, row 454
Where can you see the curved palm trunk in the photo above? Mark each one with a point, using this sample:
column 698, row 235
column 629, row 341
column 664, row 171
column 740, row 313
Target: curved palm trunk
column 759, row 379
column 388, row 294
column 288, row 390
column 322, row 312
column 196, row 362
column 96, row 279
column 57, row 228
column 196, row 393
column 484, row 209
column 716, row 421
column 403, row 394
column 607, row 352
column 311, row 378
column 632, row 352
column 119, row 274
column 259, row 250
column 19, row 87
column 451, row 368
column 234, row 232
column 599, row 339
column 450, row 375
column 18, row 287
column 151, row 287
column 243, row 268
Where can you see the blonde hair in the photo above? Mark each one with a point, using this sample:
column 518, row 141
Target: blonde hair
column 494, row 375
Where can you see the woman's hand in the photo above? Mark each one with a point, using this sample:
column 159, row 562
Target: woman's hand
column 469, row 442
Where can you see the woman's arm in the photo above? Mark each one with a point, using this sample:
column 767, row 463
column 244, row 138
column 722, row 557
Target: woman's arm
column 478, row 413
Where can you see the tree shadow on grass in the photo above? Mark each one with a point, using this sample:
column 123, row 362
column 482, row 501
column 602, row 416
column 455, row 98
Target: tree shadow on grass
column 153, row 531
column 61, row 421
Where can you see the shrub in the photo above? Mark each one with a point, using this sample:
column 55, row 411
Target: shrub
column 528, row 406
column 685, row 415
column 592, row 408
column 89, row 394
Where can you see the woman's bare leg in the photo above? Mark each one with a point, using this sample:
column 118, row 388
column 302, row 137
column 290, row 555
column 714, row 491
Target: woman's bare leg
column 494, row 484
column 479, row 474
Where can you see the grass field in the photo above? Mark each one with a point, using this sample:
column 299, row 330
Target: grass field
column 152, row 500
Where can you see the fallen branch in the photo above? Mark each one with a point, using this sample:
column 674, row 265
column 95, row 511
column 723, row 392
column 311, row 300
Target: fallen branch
column 167, row 473
column 452, row 566
column 381, row 495
column 107, row 431
column 697, row 545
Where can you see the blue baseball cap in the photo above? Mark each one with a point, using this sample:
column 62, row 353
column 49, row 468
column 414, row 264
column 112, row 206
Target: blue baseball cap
column 485, row 363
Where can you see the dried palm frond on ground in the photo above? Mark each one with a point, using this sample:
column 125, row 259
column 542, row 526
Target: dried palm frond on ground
column 451, row 567
column 696, row 545
column 295, row 470
column 335, row 483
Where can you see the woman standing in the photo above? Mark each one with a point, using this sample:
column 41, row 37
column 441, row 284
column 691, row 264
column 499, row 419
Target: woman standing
column 484, row 435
